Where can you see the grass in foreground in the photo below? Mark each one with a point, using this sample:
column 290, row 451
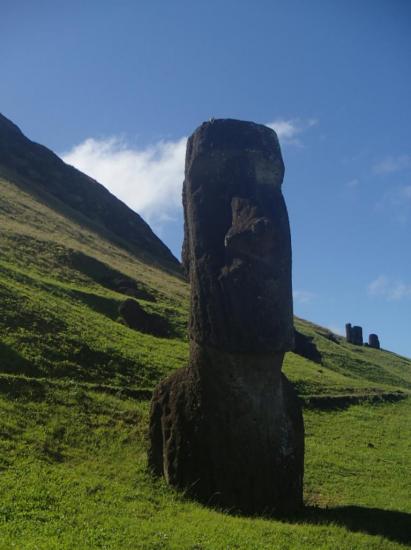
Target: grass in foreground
column 73, row 475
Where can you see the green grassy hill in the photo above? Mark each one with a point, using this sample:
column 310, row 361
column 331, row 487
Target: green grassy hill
column 75, row 383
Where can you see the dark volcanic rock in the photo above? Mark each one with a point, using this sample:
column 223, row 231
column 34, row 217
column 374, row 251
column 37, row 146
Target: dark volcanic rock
column 237, row 247
column 304, row 346
column 230, row 432
column 356, row 336
column 348, row 332
column 136, row 318
column 373, row 341
column 228, row 429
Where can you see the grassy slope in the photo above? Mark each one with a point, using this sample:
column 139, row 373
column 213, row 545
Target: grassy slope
column 72, row 440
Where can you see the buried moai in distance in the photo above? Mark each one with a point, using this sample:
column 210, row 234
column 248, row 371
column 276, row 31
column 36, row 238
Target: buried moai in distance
column 228, row 429
column 354, row 336
column 373, row 341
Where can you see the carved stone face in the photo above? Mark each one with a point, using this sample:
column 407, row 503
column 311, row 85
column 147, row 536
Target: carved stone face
column 237, row 243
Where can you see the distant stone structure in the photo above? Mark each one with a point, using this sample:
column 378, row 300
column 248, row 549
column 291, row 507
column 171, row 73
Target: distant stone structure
column 228, row 429
column 354, row 334
column 348, row 332
column 373, row 341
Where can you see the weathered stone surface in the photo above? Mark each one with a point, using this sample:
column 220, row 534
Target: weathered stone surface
column 228, row 429
column 348, row 333
column 230, row 432
column 237, row 247
column 373, row 341
column 356, row 336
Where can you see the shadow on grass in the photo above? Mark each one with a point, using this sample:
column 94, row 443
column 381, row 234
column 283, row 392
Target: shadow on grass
column 11, row 362
column 390, row 524
column 100, row 304
column 13, row 371
column 108, row 277
column 342, row 402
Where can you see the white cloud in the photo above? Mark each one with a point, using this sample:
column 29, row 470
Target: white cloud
column 396, row 201
column 303, row 296
column 392, row 164
column 378, row 286
column 149, row 180
column 289, row 130
column 353, row 183
column 389, row 289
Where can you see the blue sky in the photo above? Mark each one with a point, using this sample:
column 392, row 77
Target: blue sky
column 115, row 88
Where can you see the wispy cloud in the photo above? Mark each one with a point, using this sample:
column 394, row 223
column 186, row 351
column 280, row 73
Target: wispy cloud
column 149, row 180
column 353, row 183
column 303, row 296
column 392, row 164
column 406, row 192
column 392, row 290
column 290, row 130
column 397, row 202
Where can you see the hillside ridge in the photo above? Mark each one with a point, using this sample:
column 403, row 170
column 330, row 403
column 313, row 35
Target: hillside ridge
column 61, row 290
column 38, row 170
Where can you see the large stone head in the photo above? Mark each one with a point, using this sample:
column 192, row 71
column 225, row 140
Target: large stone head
column 237, row 248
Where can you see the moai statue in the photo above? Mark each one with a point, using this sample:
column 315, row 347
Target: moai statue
column 348, row 333
column 228, row 429
column 356, row 336
column 373, row 341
